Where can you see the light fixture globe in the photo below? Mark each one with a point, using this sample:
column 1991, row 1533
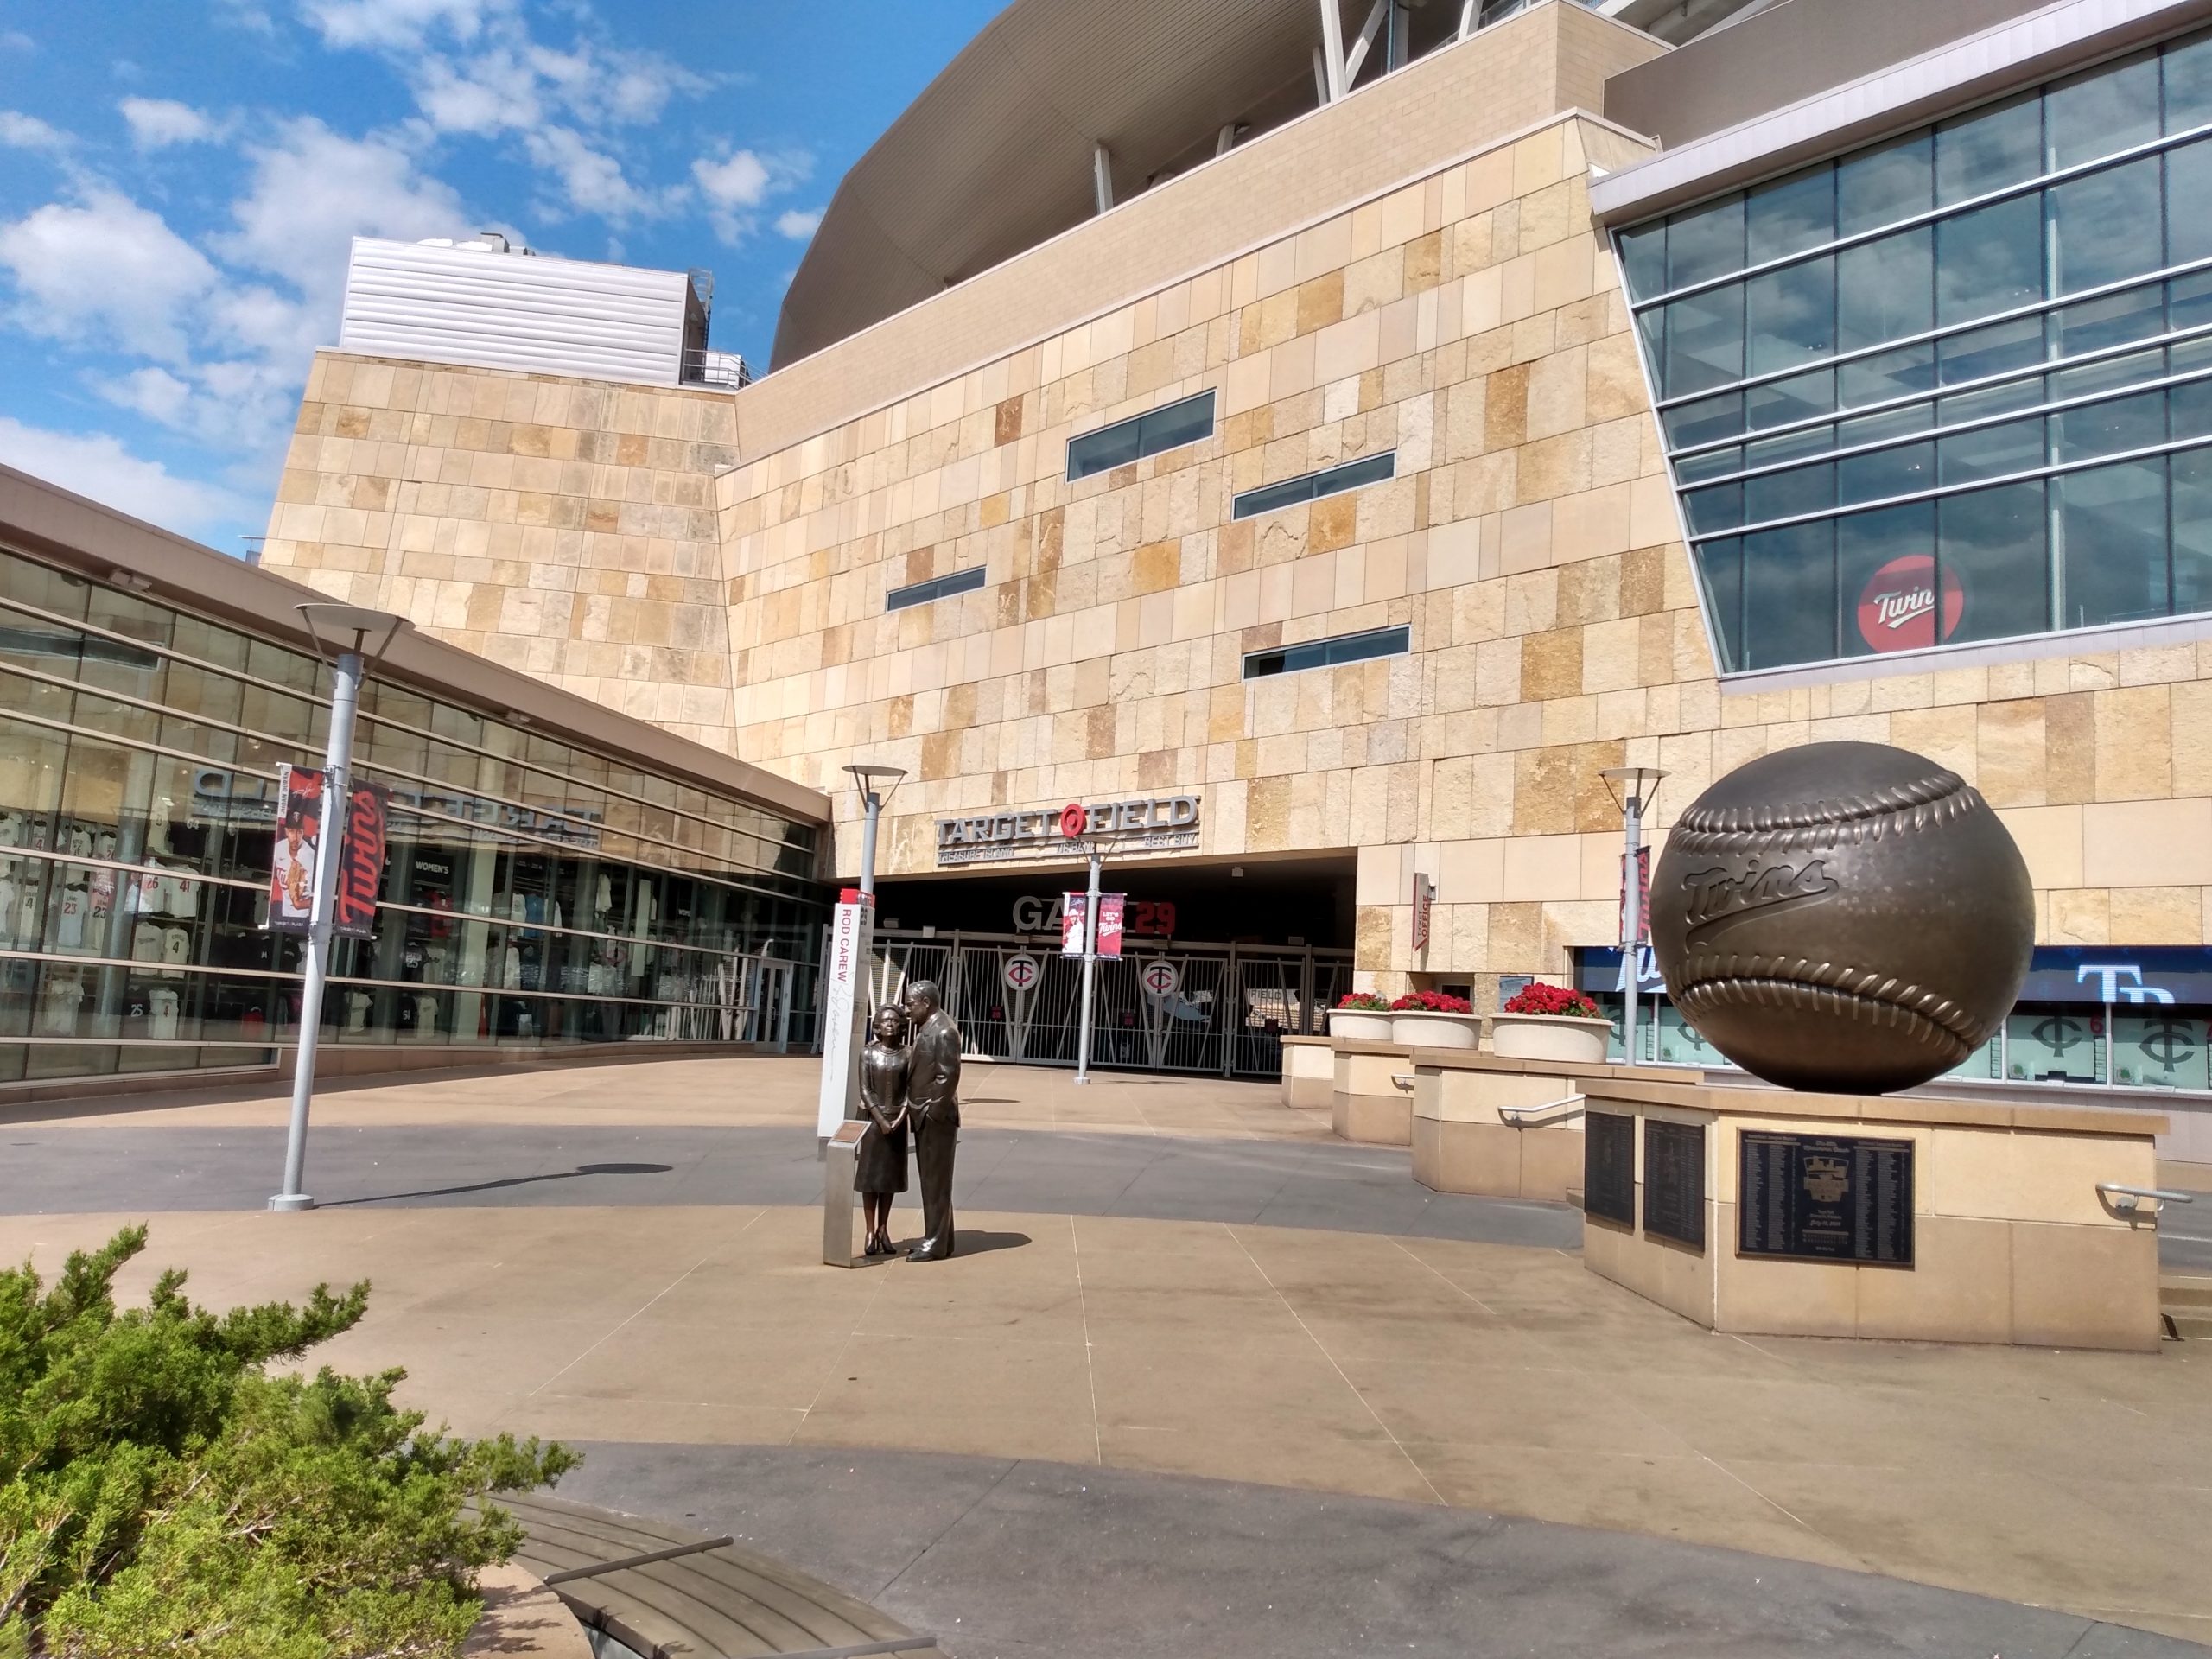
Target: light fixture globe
column 1843, row 916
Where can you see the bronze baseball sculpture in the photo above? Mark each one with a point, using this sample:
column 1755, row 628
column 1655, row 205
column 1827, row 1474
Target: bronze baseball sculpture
column 1843, row 916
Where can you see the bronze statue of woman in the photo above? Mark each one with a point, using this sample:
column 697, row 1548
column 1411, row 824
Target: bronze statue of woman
column 879, row 1166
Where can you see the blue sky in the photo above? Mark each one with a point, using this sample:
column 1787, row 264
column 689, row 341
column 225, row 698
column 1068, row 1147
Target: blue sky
column 178, row 180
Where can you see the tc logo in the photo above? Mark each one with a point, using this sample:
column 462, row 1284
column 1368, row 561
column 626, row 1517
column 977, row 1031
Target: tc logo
column 2168, row 1041
column 2109, row 974
column 2058, row 1033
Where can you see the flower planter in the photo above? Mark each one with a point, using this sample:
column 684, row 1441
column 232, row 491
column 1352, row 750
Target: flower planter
column 1360, row 1025
column 1422, row 1029
column 1549, row 1037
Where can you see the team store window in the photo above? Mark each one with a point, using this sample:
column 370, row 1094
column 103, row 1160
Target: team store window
column 536, row 894
column 1953, row 387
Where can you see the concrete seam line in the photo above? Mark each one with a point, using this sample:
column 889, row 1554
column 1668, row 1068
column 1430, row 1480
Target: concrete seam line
column 1090, row 1369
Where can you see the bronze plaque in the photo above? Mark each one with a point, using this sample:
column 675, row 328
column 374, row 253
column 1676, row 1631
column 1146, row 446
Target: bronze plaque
column 1674, row 1181
column 1608, row 1167
column 1825, row 1198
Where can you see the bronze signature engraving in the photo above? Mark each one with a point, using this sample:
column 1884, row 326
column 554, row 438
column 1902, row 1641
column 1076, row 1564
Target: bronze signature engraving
column 1720, row 897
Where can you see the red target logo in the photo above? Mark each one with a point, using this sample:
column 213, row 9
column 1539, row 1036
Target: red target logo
column 1073, row 821
column 1898, row 608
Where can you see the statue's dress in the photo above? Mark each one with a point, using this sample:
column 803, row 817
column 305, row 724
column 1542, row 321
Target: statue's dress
column 880, row 1164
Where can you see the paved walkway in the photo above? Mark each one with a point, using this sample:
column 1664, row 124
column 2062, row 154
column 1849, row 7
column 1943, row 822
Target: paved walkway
column 1095, row 1325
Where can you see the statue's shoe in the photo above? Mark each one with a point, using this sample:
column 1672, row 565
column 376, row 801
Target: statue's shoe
column 929, row 1252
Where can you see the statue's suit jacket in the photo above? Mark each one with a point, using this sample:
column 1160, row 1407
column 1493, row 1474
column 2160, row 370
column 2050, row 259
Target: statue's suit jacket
column 933, row 1073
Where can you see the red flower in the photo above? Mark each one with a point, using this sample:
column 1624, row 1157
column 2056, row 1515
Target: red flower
column 1557, row 1000
column 1432, row 1002
column 1363, row 1002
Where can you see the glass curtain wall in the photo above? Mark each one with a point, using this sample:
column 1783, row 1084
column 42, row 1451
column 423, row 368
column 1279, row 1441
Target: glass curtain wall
column 1956, row 386
column 536, row 894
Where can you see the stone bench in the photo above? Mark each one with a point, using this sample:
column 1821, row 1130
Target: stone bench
column 1765, row 1211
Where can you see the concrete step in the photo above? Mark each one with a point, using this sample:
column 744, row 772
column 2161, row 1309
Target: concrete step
column 2176, row 1292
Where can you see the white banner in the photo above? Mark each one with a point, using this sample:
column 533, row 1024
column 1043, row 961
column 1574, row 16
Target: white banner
column 843, row 1012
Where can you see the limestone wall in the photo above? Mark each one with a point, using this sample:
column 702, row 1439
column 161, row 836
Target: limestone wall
column 562, row 527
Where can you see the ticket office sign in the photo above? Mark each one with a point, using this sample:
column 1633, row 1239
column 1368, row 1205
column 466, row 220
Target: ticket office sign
column 1826, row 1198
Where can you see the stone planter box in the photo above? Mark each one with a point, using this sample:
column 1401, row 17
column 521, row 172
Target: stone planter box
column 1360, row 1025
column 1420, row 1029
column 1549, row 1037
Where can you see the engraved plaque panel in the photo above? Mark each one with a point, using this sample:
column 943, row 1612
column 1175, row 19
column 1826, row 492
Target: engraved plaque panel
column 1825, row 1198
column 1608, row 1167
column 1674, row 1181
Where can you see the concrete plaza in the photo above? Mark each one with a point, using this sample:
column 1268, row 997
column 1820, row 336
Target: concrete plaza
column 1174, row 1281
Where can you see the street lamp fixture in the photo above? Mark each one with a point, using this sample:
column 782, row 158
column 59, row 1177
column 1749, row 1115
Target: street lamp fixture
column 342, row 635
column 875, row 783
column 1632, row 788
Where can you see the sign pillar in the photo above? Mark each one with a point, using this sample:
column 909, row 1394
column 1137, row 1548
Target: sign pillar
column 843, row 1010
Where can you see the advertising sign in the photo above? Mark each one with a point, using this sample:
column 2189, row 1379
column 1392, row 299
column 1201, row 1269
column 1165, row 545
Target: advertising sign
column 1161, row 823
column 1424, row 903
column 1109, row 923
column 298, row 846
column 851, row 929
column 1072, row 906
column 1897, row 606
column 1642, row 895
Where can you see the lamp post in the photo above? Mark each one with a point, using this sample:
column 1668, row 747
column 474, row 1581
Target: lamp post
column 1632, row 788
column 865, row 777
column 340, row 634
column 851, row 937
column 1097, row 853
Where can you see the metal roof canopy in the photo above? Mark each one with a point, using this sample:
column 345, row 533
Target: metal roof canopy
column 995, row 155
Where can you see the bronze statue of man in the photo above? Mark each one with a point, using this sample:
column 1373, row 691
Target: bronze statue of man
column 933, row 1108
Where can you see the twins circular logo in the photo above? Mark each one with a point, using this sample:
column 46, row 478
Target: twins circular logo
column 1073, row 821
column 1897, row 606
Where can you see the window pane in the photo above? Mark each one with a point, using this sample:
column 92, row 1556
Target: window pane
column 1991, row 451
column 2188, row 301
column 1643, row 258
column 1790, row 315
column 1706, row 421
column 1705, row 340
column 2189, row 188
column 1883, row 186
column 1720, row 568
column 2192, row 522
column 1790, row 215
column 1714, row 463
column 2112, row 107
column 1899, row 470
column 1885, row 290
column 1989, row 260
column 2189, row 409
column 2188, row 72
column 1997, row 349
column 1178, row 424
column 2104, row 228
column 1790, row 607
column 1785, row 495
column 2135, row 314
column 1801, row 397
column 2113, row 529
column 1885, row 568
column 2109, row 428
column 1989, row 149
column 1994, row 542
column 1885, row 375
column 1705, row 242
column 1719, row 508
column 1101, row 451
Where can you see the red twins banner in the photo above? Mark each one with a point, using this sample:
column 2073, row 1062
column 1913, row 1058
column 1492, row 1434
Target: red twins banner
column 1109, row 923
column 300, row 842
column 1897, row 609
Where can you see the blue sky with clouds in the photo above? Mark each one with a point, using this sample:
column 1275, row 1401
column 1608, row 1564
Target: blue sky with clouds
column 178, row 180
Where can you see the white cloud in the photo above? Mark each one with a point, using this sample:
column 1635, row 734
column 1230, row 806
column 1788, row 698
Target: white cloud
column 97, row 465
column 155, row 393
column 736, row 184
column 13, row 40
column 22, row 131
column 492, row 92
column 739, row 180
column 592, row 179
column 156, row 122
column 396, row 22
column 797, row 225
column 107, row 267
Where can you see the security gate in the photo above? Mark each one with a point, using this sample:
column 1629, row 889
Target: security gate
column 1218, row 1009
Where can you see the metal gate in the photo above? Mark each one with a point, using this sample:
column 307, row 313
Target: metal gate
column 1218, row 1009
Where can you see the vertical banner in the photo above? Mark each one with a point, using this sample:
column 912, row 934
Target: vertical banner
column 1643, row 897
column 1110, row 906
column 300, row 842
column 843, row 1009
column 1424, row 902
column 1072, row 908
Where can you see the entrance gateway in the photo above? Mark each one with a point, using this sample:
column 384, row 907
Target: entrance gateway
column 1223, row 958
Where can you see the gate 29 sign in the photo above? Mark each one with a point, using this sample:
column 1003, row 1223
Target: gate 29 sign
column 1161, row 823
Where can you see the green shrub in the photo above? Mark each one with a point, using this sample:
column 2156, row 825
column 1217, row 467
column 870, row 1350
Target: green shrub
column 161, row 1492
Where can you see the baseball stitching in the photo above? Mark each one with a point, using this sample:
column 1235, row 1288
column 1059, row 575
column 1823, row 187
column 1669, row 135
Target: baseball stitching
column 1825, row 985
column 1824, row 999
column 1937, row 799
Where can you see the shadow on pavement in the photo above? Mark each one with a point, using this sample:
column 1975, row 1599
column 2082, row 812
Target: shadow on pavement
column 511, row 1180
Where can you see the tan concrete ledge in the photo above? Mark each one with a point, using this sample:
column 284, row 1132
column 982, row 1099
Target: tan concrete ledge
column 523, row 1618
column 1366, row 1103
column 1309, row 1072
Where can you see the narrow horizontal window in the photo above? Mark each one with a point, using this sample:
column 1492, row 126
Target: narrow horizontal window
column 1118, row 445
column 921, row 593
column 1328, row 653
column 1330, row 480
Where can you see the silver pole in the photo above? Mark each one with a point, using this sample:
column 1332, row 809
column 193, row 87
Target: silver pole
column 873, row 804
column 1090, row 962
column 337, row 790
column 1631, row 924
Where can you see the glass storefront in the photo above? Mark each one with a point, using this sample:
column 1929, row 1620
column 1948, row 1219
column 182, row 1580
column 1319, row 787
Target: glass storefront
column 1956, row 386
column 536, row 895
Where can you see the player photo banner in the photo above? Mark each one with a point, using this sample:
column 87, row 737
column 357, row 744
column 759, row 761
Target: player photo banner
column 301, row 811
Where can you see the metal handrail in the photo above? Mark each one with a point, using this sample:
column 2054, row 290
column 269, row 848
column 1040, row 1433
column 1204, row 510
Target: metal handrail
column 1521, row 1117
column 2118, row 1191
column 1404, row 1080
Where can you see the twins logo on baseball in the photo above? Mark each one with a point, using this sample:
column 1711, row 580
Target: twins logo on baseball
column 1719, row 899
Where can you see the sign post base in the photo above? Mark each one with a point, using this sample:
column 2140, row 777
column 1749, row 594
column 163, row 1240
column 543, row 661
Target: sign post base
column 840, row 1155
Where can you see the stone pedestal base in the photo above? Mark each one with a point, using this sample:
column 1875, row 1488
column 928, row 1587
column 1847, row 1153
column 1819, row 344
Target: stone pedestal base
column 1367, row 1104
column 1309, row 1072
